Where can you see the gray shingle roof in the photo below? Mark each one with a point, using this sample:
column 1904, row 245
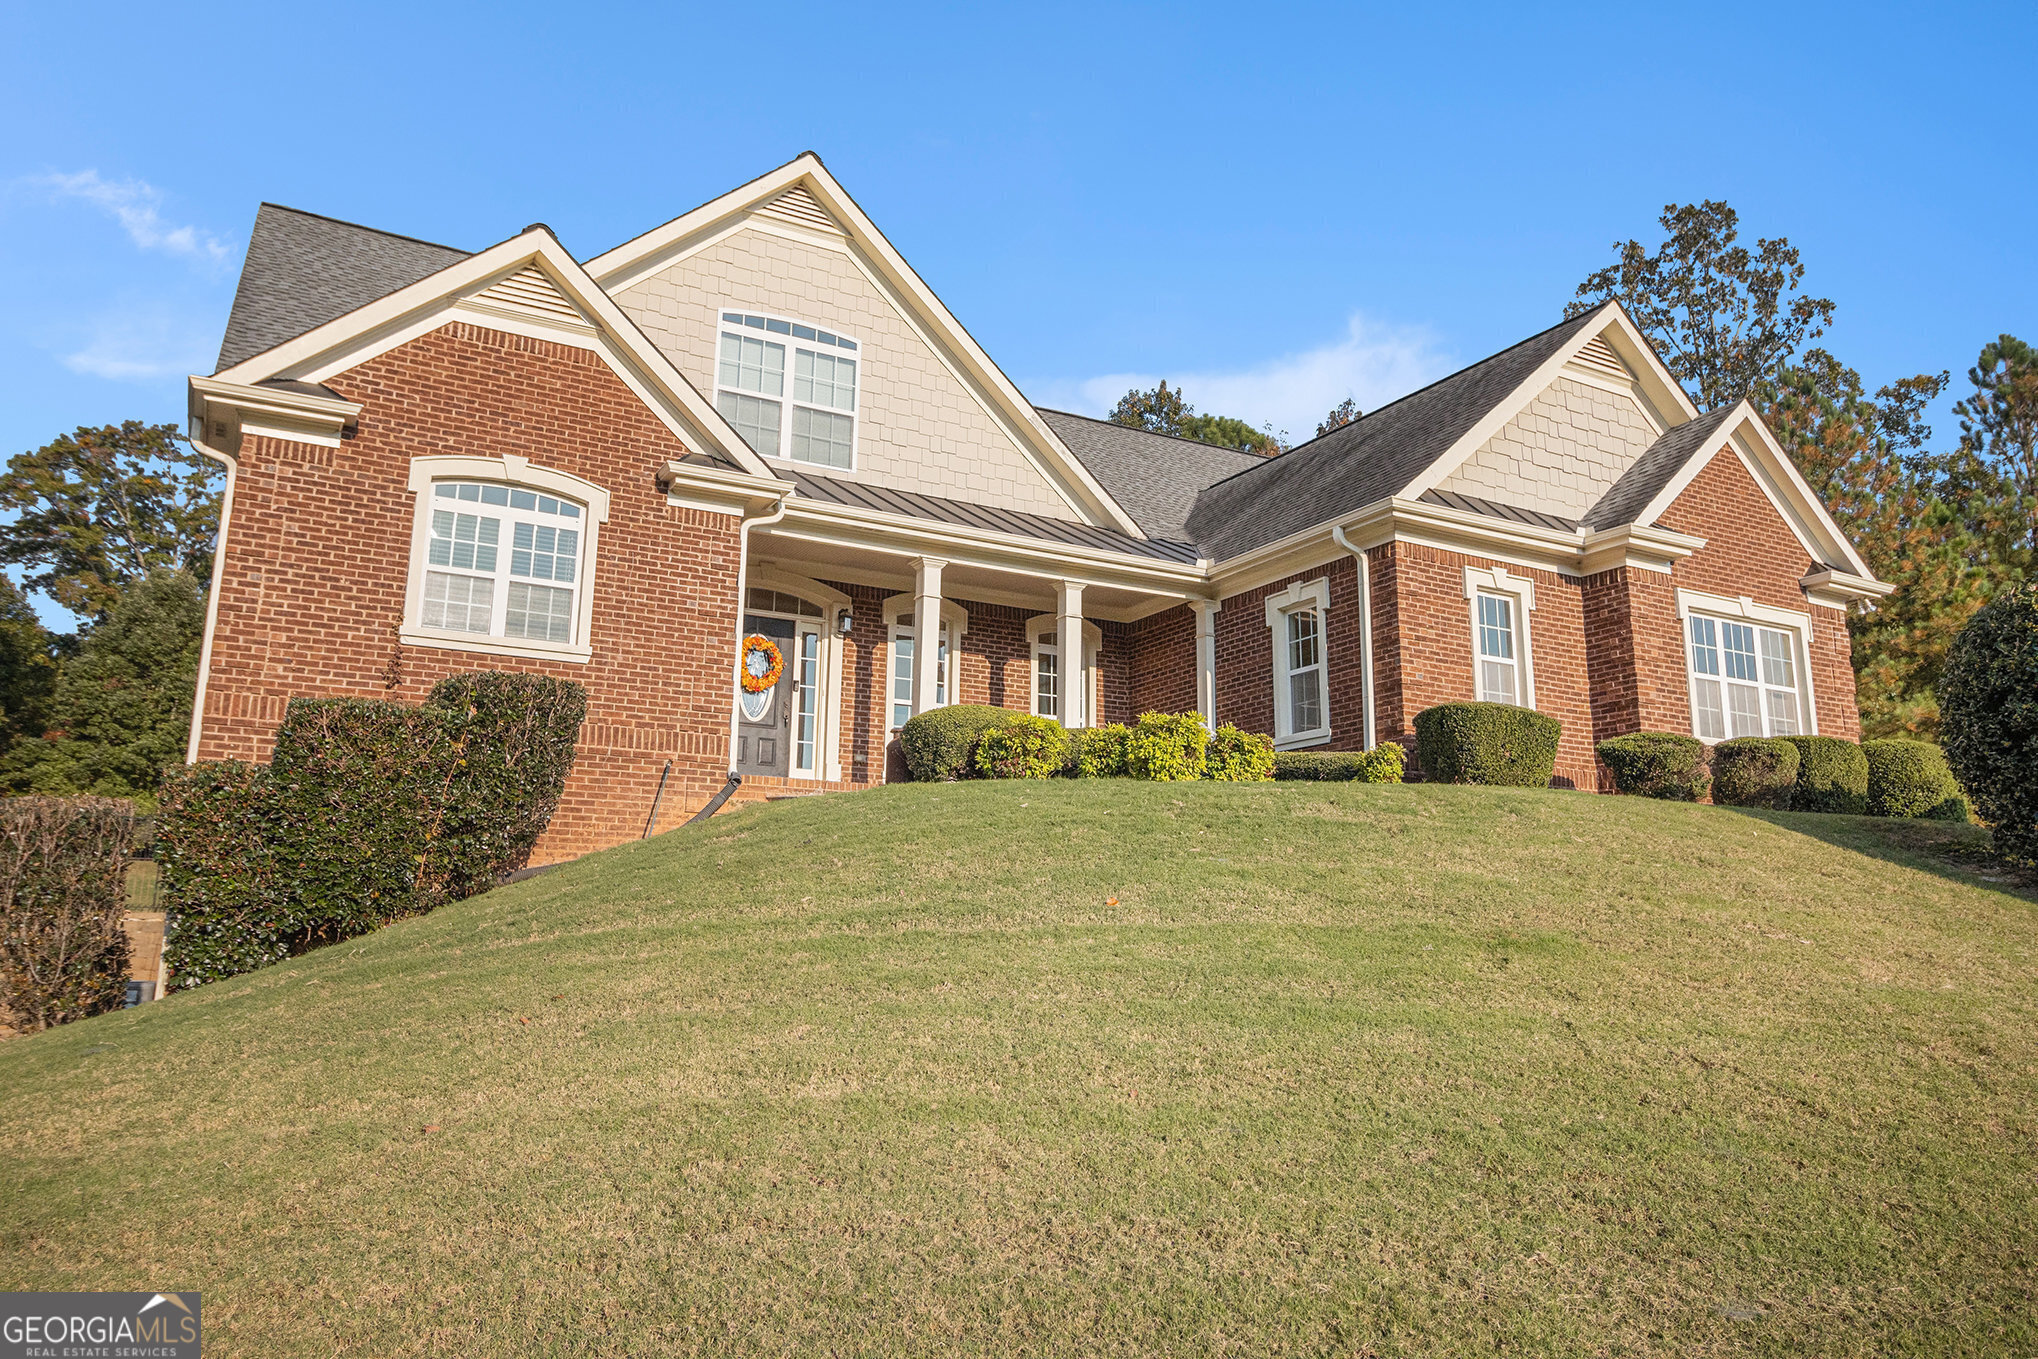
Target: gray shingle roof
column 890, row 500
column 1650, row 473
column 1154, row 478
column 1369, row 459
column 304, row 270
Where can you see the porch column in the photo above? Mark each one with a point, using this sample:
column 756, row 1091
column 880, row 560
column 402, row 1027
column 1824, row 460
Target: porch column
column 1206, row 659
column 1068, row 642
column 926, row 631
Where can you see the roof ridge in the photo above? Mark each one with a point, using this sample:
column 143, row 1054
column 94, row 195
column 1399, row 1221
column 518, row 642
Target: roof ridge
column 361, row 226
column 1156, row 434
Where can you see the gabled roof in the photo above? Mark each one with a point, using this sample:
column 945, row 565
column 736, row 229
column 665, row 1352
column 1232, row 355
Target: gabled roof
column 1372, row 458
column 806, row 177
column 1155, row 477
column 890, row 500
column 1655, row 469
column 304, row 270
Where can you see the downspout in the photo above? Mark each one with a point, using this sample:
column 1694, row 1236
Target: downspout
column 742, row 597
column 226, row 514
column 1337, row 534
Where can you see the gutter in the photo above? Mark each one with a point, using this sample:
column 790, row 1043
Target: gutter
column 1337, row 533
column 750, row 521
column 226, row 514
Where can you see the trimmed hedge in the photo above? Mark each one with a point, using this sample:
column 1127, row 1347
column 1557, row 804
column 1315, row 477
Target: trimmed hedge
column 1167, row 747
column 1660, row 764
column 939, row 744
column 1024, row 748
column 1384, row 763
column 1098, row 752
column 1496, row 744
column 63, row 897
column 369, row 811
column 1832, row 775
column 1754, row 771
column 1988, row 718
column 1912, row 779
column 1238, row 756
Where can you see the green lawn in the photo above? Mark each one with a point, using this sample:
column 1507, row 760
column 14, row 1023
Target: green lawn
column 1343, row 1070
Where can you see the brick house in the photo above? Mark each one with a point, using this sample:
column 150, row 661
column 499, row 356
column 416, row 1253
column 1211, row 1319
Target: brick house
column 756, row 419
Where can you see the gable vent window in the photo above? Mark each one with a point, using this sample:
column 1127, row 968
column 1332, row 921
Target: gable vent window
column 501, row 561
column 751, row 389
column 1598, row 356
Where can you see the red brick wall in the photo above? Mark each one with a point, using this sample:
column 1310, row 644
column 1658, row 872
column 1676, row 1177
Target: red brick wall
column 1162, row 665
column 1751, row 551
column 1245, row 657
column 312, row 579
column 1635, row 653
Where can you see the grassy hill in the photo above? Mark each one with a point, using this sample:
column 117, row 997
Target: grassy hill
column 1096, row 1068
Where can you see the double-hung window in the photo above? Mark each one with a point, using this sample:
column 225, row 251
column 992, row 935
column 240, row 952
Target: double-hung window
column 1499, row 653
column 502, row 561
column 903, row 635
column 1298, row 619
column 788, row 388
column 1744, row 679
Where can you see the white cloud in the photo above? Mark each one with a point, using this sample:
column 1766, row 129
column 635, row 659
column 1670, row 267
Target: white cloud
column 133, row 203
column 141, row 346
column 1371, row 363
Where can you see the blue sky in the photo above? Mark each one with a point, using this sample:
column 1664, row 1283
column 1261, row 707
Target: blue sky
column 1272, row 205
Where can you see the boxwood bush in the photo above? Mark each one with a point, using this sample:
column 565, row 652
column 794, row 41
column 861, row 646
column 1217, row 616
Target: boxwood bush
column 1024, row 748
column 1489, row 743
column 1098, row 752
column 940, row 744
column 1754, row 771
column 1660, row 764
column 1988, row 718
column 368, row 812
column 1238, row 756
column 1832, row 775
column 1167, row 747
column 1384, row 763
column 1911, row 779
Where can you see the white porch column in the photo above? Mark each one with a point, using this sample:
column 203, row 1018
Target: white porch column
column 1206, row 659
column 1068, row 643
column 926, row 631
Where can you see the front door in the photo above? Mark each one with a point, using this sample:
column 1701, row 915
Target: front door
column 764, row 726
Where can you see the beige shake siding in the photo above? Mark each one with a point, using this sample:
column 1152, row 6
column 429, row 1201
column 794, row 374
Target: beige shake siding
column 920, row 429
column 1561, row 454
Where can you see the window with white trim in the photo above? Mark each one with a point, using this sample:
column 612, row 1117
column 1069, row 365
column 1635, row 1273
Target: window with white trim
column 1049, row 687
column 1499, row 655
column 903, row 634
column 1744, row 679
column 814, row 422
column 502, row 561
column 1298, row 617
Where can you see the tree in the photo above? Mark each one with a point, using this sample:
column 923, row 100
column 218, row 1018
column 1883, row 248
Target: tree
column 121, row 708
column 1342, row 414
column 1999, row 432
column 28, row 668
column 104, row 507
column 1165, row 411
column 1990, row 697
column 1723, row 317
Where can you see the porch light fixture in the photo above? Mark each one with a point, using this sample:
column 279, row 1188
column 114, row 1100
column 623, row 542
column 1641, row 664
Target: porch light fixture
column 843, row 623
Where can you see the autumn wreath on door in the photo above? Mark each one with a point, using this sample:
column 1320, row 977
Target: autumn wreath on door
column 763, row 663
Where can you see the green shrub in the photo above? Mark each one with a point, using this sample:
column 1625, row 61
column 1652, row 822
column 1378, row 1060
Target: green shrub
column 1911, row 779
column 1098, row 752
column 1238, row 756
column 1167, row 747
column 940, row 743
column 1832, row 775
column 1384, row 763
column 63, row 897
column 1754, row 771
column 1024, row 748
column 1988, row 719
column 1488, row 743
column 1659, row 764
column 368, row 812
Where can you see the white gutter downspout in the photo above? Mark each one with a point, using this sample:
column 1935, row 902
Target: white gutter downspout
column 226, row 514
column 742, row 602
column 1337, row 534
